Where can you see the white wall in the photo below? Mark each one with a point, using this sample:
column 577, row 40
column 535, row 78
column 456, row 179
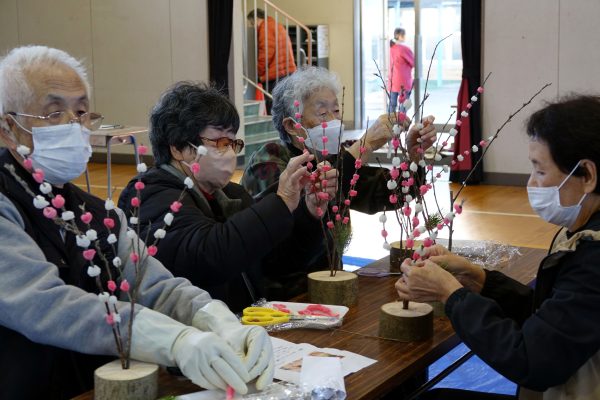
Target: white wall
column 133, row 49
column 526, row 44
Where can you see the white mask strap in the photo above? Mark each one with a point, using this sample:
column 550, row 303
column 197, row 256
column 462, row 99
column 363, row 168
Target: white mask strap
column 570, row 173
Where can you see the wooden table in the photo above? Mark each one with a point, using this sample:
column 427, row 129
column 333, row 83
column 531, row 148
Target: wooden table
column 108, row 137
column 396, row 361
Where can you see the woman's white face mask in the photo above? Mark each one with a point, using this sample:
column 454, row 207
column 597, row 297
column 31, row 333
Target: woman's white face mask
column 545, row 201
column 333, row 132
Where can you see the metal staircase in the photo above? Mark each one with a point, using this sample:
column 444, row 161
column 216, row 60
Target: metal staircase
column 258, row 129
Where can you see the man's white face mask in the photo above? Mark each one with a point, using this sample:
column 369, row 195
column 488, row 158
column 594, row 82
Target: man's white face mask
column 61, row 151
column 333, row 132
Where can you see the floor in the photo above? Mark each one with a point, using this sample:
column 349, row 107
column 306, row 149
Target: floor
column 493, row 213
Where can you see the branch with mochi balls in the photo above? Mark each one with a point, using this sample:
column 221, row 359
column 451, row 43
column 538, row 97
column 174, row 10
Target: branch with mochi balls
column 336, row 215
column 53, row 207
column 404, row 176
column 410, row 226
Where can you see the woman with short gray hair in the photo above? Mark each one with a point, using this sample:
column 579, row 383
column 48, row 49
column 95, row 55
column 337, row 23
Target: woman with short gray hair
column 313, row 92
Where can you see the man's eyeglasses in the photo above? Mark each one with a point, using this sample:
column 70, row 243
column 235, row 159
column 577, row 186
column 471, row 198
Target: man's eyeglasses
column 223, row 143
column 90, row 120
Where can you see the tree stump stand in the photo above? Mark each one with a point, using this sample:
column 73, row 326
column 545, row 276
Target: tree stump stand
column 139, row 382
column 406, row 325
column 341, row 289
column 398, row 255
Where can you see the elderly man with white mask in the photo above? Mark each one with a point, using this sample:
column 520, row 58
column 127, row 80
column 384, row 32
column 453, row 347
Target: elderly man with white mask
column 313, row 92
column 52, row 333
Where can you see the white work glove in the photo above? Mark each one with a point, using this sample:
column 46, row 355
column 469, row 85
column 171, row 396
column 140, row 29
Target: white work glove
column 203, row 357
column 251, row 342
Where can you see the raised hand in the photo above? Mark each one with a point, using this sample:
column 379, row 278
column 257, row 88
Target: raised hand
column 293, row 179
column 328, row 183
column 425, row 281
column 427, row 134
column 378, row 134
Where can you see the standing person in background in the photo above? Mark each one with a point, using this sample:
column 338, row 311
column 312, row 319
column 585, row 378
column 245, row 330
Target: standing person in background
column 402, row 62
column 274, row 51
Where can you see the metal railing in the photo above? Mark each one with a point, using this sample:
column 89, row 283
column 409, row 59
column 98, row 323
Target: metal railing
column 257, row 87
column 270, row 8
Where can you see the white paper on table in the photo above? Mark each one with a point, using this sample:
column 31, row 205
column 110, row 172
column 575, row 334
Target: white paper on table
column 288, row 359
column 288, row 364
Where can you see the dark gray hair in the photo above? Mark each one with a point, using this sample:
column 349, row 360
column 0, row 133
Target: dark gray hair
column 299, row 86
column 569, row 127
column 183, row 112
column 259, row 13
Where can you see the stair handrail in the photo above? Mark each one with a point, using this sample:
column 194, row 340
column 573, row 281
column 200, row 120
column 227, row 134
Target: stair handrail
column 299, row 24
column 307, row 58
column 256, row 86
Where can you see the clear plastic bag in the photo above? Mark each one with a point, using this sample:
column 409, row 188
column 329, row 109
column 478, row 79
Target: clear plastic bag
column 489, row 254
column 322, row 378
column 277, row 391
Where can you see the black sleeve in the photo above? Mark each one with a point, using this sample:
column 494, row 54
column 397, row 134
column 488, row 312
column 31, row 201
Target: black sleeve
column 208, row 252
column 299, row 250
column 514, row 298
column 553, row 343
column 373, row 194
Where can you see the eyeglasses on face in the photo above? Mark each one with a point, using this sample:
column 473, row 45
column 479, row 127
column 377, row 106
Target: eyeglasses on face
column 90, row 120
column 223, row 143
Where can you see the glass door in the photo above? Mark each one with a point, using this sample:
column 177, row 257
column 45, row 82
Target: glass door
column 425, row 22
column 374, row 59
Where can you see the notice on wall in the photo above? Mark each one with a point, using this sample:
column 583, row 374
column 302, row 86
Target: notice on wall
column 323, row 41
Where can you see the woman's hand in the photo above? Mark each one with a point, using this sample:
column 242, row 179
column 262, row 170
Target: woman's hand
column 312, row 199
column 427, row 134
column 293, row 179
column 468, row 274
column 378, row 134
column 425, row 281
column 436, row 250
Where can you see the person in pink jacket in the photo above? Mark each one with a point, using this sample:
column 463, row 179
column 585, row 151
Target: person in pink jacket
column 402, row 62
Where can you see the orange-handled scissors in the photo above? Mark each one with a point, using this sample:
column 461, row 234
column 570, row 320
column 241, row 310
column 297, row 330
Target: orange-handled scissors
column 263, row 316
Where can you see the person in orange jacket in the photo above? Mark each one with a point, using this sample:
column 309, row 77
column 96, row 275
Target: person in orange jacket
column 275, row 55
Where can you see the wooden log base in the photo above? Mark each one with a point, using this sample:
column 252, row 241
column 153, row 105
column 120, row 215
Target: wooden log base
column 341, row 289
column 410, row 325
column 139, row 382
column 397, row 255
column 439, row 308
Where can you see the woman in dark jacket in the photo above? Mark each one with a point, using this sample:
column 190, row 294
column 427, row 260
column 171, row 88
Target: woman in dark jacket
column 220, row 239
column 546, row 340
